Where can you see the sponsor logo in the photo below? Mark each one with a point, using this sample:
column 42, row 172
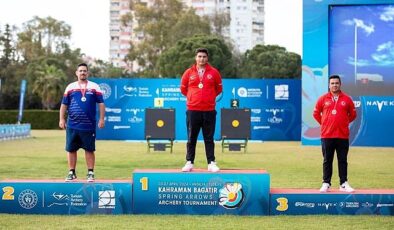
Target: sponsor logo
column 231, row 195
column 274, row 119
column 385, row 205
column 261, row 127
column 134, row 111
column 367, row 205
column 27, row 199
column 106, row 89
column 357, row 104
column 113, row 110
column 249, row 92
column 106, row 199
column 122, row 127
column 326, row 205
column 242, row 92
column 114, row 119
column 281, row 92
column 255, row 119
column 135, row 119
column 302, row 204
column 256, row 111
column 380, row 104
column 61, row 199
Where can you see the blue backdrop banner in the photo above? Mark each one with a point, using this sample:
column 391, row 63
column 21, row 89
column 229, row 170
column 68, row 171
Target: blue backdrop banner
column 275, row 106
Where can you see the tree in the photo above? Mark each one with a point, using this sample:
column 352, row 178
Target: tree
column 270, row 61
column 49, row 86
column 162, row 25
column 176, row 60
column 43, row 36
column 8, row 51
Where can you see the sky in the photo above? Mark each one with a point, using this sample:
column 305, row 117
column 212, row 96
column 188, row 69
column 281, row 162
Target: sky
column 89, row 20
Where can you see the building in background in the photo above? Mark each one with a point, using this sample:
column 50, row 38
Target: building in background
column 245, row 31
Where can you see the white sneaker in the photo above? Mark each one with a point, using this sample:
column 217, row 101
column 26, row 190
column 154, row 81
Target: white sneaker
column 188, row 167
column 345, row 187
column 212, row 167
column 325, row 187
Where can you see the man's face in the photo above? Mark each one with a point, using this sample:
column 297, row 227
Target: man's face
column 82, row 73
column 201, row 59
column 335, row 85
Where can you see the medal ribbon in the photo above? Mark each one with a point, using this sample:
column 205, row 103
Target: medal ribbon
column 83, row 90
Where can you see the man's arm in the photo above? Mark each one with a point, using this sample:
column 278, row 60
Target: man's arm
column 352, row 112
column 317, row 111
column 185, row 83
column 62, row 114
column 101, row 122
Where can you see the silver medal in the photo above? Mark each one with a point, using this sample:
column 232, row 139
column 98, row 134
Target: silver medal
column 334, row 112
column 200, row 85
column 83, row 99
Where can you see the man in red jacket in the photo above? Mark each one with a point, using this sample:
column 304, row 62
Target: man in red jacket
column 201, row 83
column 334, row 111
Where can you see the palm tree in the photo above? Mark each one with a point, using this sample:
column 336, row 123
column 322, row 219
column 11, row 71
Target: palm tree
column 49, row 85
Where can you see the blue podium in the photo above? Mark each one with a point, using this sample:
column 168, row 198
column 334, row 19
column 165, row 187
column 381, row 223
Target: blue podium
column 237, row 192
column 311, row 201
column 59, row 197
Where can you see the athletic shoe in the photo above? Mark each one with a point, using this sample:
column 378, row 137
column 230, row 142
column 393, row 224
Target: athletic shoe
column 325, row 187
column 188, row 167
column 345, row 187
column 70, row 177
column 212, row 167
column 90, row 176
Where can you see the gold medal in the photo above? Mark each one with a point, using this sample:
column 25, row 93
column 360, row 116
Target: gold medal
column 200, row 85
column 334, row 112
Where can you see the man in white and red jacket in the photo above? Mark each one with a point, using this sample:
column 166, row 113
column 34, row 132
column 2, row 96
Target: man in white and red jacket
column 201, row 83
column 334, row 111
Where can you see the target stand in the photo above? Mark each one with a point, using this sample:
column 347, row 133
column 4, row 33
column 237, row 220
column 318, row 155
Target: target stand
column 160, row 129
column 235, row 129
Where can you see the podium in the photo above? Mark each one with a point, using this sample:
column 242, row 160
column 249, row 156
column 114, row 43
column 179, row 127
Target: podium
column 160, row 129
column 235, row 129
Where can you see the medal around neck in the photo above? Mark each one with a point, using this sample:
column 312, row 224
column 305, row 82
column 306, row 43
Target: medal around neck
column 83, row 99
column 200, row 85
column 334, row 112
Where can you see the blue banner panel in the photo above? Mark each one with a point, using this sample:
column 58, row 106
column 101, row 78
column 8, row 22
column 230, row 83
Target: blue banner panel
column 233, row 192
column 14, row 131
column 375, row 126
column 311, row 202
column 55, row 197
column 351, row 38
column 274, row 104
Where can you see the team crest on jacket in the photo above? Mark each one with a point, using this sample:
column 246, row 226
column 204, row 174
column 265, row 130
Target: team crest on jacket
column 192, row 77
column 209, row 76
column 343, row 103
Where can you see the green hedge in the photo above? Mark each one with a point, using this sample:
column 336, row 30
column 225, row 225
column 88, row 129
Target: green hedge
column 39, row 119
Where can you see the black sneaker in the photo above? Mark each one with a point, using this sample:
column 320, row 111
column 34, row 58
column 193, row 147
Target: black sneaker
column 71, row 177
column 90, row 177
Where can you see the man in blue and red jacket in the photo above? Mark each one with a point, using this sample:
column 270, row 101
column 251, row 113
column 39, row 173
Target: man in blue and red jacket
column 334, row 111
column 201, row 83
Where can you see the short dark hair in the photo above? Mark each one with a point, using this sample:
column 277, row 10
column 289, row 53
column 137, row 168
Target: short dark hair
column 201, row 50
column 334, row 77
column 83, row 64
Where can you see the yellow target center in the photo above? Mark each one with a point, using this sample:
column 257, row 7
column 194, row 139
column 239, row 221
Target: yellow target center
column 231, row 196
column 235, row 123
column 160, row 123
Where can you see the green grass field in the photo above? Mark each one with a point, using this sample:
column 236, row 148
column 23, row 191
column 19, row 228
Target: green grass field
column 290, row 165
